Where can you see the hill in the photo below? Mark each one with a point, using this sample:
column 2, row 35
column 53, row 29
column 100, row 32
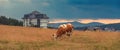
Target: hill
column 56, row 25
column 95, row 24
column 115, row 26
column 76, row 24
column 30, row 38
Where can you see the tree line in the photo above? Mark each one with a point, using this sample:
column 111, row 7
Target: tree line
column 10, row 21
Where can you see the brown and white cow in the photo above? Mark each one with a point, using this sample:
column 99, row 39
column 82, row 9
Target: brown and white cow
column 63, row 29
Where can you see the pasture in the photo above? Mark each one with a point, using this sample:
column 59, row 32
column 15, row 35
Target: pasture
column 29, row 38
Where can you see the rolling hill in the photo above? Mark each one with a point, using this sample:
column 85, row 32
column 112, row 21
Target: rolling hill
column 115, row 26
column 76, row 24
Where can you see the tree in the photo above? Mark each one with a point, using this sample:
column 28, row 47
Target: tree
column 10, row 21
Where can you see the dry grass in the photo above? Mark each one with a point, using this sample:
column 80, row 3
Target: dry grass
column 28, row 38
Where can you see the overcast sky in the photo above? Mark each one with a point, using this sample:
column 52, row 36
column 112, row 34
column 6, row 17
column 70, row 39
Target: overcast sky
column 63, row 9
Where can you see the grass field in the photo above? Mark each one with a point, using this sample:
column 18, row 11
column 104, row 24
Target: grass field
column 28, row 38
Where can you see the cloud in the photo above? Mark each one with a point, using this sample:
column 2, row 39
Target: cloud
column 2, row 2
column 11, row 1
column 45, row 3
column 105, row 21
column 23, row 1
column 60, row 21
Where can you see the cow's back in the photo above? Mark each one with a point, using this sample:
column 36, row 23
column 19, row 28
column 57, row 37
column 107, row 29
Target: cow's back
column 69, row 28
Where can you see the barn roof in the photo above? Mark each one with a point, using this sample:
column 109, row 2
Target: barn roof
column 35, row 15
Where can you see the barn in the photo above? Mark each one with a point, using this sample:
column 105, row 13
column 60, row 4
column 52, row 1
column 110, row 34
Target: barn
column 35, row 19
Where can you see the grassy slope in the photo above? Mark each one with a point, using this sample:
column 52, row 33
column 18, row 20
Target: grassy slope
column 28, row 38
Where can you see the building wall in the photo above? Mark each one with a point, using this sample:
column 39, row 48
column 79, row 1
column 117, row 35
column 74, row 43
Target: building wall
column 26, row 22
column 44, row 23
column 33, row 22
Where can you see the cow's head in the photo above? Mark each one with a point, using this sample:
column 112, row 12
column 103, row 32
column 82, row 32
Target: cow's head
column 54, row 36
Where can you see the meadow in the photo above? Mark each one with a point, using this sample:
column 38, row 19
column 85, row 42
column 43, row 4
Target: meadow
column 30, row 38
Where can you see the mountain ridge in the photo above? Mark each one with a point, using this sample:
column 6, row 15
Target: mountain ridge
column 76, row 24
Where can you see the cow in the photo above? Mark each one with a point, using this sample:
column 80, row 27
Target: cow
column 63, row 29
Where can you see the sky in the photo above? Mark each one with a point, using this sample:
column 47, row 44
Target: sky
column 69, row 10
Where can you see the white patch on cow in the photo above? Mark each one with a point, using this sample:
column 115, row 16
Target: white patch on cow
column 65, row 25
column 60, row 26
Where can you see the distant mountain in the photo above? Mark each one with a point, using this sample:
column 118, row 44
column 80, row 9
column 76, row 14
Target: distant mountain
column 56, row 25
column 107, row 27
column 94, row 24
column 76, row 24
column 115, row 26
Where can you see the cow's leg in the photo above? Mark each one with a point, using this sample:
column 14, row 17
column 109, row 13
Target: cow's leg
column 68, row 33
